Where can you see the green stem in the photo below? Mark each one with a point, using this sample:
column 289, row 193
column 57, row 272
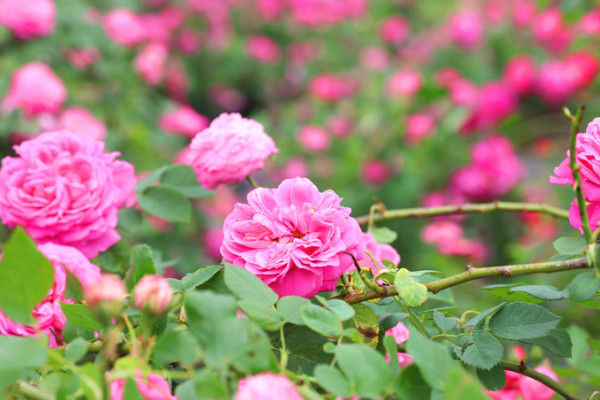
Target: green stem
column 522, row 369
column 478, row 273
column 252, row 182
column 466, row 208
column 575, row 122
column 284, row 356
column 32, row 392
column 443, row 335
column 416, row 321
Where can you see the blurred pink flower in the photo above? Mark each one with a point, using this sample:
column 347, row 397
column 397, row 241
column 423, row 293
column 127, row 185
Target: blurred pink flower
column 379, row 251
column 552, row 85
column 184, row 121
column 64, row 189
column 313, row 138
column 448, row 238
column 270, row 10
column 404, row 83
column 189, row 41
column 229, row 150
column 302, row 52
column 213, row 240
column 328, row 87
column 520, row 74
column 80, row 120
column 151, row 387
column 227, row 98
column 495, row 102
column 400, row 334
column 292, row 237
column 150, row 63
column 152, row 294
column 124, row 27
column 581, row 69
column 105, row 288
column 82, row 58
column 374, row 58
column 590, row 23
column 267, row 386
column 375, row 172
column 28, row 20
column 49, row 315
column 176, row 80
column 339, row 125
column 466, row 28
column 418, row 127
column 296, row 167
column 36, row 89
column 394, row 29
column 519, row 386
column 524, row 12
column 547, row 25
column 263, row 48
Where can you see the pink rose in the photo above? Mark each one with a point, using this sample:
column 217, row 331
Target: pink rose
column 106, row 288
column 229, row 150
column 124, row 27
column 263, row 48
column 293, row 237
column 495, row 101
column 466, row 29
column 78, row 119
column 375, row 172
column 35, row 89
column 328, row 87
column 267, row 386
column 519, row 386
column 379, row 251
column 313, row 138
column 28, row 20
column 64, row 189
column 400, row 334
column 150, row 63
column 418, row 127
column 151, row 387
column 153, row 294
column 394, row 29
column 213, row 240
column 520, row 74
column 49, row 315
column 374, row 58
column 404, row 83
column 82, row 58
column 184, row 121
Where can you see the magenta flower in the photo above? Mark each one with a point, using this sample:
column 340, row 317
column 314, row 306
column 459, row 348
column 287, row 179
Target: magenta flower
column 293, row 237
column 64, row 189
column 379, row 251
column 400, row 334
column 49, row 315
column 267, row 386
column 28, row 20
column 151, row 387
column 229, row 150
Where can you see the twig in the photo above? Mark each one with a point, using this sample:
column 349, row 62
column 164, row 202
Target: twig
column 522, row 369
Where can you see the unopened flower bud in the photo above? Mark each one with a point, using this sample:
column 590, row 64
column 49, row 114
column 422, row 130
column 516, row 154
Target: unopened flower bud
column 153, row 294
column 107, row 288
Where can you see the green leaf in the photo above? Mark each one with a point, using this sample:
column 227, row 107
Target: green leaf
column 166, row 203
column 383, row 235
column 321, row 320
column 492, row 379
column 365, row 368
column 426, row 272
column 412, row 292
column 484, row 352
column 391, row 348
column 510, row 292
column 92, row 381
column 342, row 309
column 569, row 245
column 175, row 345
column 558, row 342
column 305, row 349
column 131, row 391
column 143, row 264
column 204, row 310
column 149, row 180
column 80, row 316
column 462, row 385
column 289, row 307
column 76, row 350
column 584, row 286
column 183, row 178
column 21, row 261
column 73, row 288
column 594, row 344
column 578, row 337
column 444, row 323
column 246, row 285
column 410, row 384
column 518, row 321
column 262, row 314
column 332, row 380
column 367, row 324
column 432, row 358
column 198, row 277
column 541, row 292
column 18, row 353
column 478, row 321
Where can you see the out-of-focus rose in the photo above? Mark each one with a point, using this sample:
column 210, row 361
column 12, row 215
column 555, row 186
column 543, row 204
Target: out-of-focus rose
column 339, row 126
column 375, row 172
column 270, row 10
column 150, row 63
column 229, row 150
column 494, row 102
column 524, row 12
column 124, row 27
column 313, row 138
column 213, row 239
column 590, row 23
column 294, row 238
column 448, row 238
column 263, row 48
column 189, row 41
column 418, row 127
column 49, row 315
column 400, row 334
column 404, row 83
column 79, row 119
column 28, row 20
column 547, row 25
column 581, row 69
column 152, row 294
column 151, row 387
column 105, row 288
column 552, row 85
column 36, row 89
column 519, row 386
column 64, row 189
column 184, row 121
column 466, row 28
column 82, row 58
column 374, row 58
column 267, row 386
column 520, row 74
column 327, row 87
column 379, row 251
column 296, row 167
column 394, row 29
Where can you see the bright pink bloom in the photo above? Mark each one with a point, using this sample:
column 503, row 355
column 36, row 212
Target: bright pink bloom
column 80, row 120
column 229, row 150
column 590, row 23
column 519, row 386
column 379, row 251
column 548, row 25
column 105, row 288
column 263, row 48
column 418, row 127
column 151, row 387
column 394, row 29
column 466, row 29
column 49, row 315
column 156, row 28
column 495, row 102
column 552, row 83
column 28, row 20
column 404, row 83
column 524, row 12
column 150, row 63
column 125, row 27
column 327, row 87
column 313, row 138
column 213, row 240
column 267, row 386
column 581, row 69
column 510, row 391
column 270, row 10
column 441, row 231
column 375, row 172
column 294, row 237
column 184, row 121
column 153, row 294
column 520, row 74
column 64, row 189
column 464, row 93
column 400, row 334
column 36, row 89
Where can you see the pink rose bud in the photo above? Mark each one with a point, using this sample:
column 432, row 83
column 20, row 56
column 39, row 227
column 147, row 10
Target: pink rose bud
column 184, row 121
column 150, row 63
column 581, row 69
column 374, row 58
column 125, row 27
column 523, row 12
column 418, row 127
column 80, row 120
column 327, row 87
column 548, row 25
column 375, row 172
column 28, row 20
column 520, row 74
column 263, row 49
column 394, row 29
column 267, row 386
column 313, row 138
column 404, row 83
column 466, row 29
column 107, row 288
column 153, row 294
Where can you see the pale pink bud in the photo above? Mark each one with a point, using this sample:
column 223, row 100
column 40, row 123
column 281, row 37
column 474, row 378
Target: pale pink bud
column 107, row 288
column 153, row 294
column 313, row 138
column 404, row 83
column 418, row 127
column 150, row 63
column 124, row 27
